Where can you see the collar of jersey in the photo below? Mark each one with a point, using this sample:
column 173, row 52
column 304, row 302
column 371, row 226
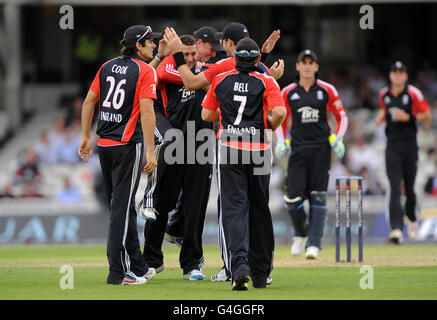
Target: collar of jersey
column 134, row 56
column 244, row 67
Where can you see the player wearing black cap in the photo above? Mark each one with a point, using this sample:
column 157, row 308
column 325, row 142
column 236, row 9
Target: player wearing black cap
column 309, row 101
column 125, row 88
column 402, row 106
column 241, row 99
column 208, row 43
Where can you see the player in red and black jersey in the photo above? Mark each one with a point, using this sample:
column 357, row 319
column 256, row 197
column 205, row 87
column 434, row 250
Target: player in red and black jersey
column 125, row 88
column 240, row 100
column 232, row 33
column 402, row 106
column 169, row 114
column 309, row 101
column 189, row 178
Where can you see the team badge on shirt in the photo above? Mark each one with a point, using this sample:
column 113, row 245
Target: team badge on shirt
column 387, row 100
column 319, row 95
column 405, row 99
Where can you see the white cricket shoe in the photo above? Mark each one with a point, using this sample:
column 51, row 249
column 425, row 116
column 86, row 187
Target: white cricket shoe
column 269, row 279
column 136, row 281
column 312, row 252
column 148, row 214
column 150, row 274
column 221, row 276
column 298, row 245
column 396, row 237
column 413, row 228
column 196, row 274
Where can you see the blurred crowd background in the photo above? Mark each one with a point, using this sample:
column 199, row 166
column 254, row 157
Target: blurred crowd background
column 38, row 147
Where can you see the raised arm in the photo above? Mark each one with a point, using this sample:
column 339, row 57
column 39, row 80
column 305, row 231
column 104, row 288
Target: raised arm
column 191, row 81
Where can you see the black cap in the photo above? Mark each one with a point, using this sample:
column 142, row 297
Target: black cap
column 235, row 31
column 307, row 53
column 210, row 35
column 138, row 32
column 398, row 66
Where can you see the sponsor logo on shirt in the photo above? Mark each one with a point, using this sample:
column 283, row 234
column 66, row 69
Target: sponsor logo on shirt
column 309, row 115
column 187, row 94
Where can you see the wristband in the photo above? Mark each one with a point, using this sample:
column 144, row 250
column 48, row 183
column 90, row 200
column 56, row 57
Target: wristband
column 264, row 56
column 157, row 58
column 179, row 59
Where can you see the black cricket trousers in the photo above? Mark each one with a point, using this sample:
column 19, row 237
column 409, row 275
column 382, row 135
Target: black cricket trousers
column 245, row 223
column 194, row 180
column 121, row 168
column 401, row 164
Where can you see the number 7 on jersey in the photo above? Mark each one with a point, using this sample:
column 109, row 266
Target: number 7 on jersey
column 242, row 100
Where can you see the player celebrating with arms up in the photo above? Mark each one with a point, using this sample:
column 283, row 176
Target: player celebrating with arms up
column 309, row 101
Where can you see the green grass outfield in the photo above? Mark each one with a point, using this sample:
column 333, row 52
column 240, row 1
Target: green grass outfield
column 400, row 272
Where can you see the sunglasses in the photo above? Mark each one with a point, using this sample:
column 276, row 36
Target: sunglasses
column 247, row 54
column 148, row 31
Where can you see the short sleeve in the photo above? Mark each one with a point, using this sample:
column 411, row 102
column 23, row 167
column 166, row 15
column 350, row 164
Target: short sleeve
column 167, row 72
column 420, row 105
column 148, row 83
column 95, row 85
column 273, row 94
column 219, row 67
column 210, row 101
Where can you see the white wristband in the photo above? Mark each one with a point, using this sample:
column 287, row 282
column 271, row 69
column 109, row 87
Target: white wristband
column 158, row 58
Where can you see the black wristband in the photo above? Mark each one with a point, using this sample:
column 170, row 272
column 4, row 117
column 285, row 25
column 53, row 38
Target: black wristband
column 179, row 59
column 264, row 56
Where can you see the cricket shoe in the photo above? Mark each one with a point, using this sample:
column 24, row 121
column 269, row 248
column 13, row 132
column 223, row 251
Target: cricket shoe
column 413, row 228
column 312, row 252
column 221, row 276
column 196, row 274
column 269, row 279
column 160, row 268
column 148, row 214
column 396, row 237
column 150, row 274
column 136, row 281
column 298, row 245
column 174, row 239
column 241, row 283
